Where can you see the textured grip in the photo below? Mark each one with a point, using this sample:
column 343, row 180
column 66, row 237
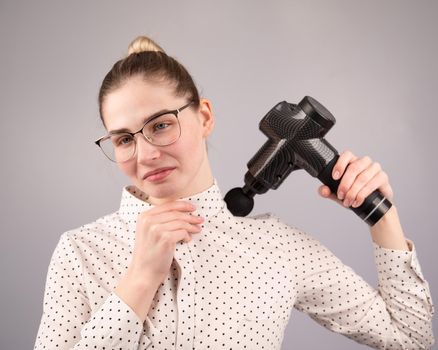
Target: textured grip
column 373, row 207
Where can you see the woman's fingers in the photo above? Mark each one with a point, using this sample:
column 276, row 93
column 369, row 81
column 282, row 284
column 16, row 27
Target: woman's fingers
column 351, row 172
column 177, row 215
column 344, row 159
column 325, row 192
column 360, row 177
column 177, row 225
column 380, row 182
column 157, row 233
column 361, row 183
column 164, row 224
column 172, row 206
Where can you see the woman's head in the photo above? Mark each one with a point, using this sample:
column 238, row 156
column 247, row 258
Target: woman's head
column 145, row 83
column 148, row 60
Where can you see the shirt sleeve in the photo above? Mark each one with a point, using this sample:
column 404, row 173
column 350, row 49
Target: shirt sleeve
column 396, row 315
column 68, row 322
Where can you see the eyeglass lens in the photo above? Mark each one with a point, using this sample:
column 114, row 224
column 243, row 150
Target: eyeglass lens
column 160, row 131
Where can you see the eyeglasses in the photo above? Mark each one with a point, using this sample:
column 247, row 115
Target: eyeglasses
column 161, row 130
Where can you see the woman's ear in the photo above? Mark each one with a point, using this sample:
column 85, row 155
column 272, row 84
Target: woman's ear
column 206, row 117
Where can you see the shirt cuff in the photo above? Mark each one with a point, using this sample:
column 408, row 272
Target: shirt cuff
column 399, row 265
column 117, row 324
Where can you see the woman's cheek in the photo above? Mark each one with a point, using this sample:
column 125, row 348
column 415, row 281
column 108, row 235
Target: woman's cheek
column 128, row 168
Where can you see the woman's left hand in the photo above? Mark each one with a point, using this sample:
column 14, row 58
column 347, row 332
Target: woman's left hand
column 360, row 177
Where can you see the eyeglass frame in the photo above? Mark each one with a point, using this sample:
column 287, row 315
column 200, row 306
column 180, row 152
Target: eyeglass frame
column 175, row 112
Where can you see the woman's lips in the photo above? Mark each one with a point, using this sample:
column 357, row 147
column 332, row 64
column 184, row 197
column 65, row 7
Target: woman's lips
column 159, row 176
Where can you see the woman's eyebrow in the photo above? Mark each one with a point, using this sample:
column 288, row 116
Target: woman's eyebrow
column 116, row 131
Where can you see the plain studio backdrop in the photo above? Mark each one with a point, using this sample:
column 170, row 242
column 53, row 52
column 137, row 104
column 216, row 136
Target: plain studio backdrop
column 373, row 64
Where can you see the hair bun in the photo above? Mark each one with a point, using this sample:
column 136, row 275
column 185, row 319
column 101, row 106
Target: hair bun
column 142, row 44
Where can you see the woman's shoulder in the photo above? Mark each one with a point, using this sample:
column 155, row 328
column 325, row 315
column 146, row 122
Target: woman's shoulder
column 285, row 232
column 271, row 223
column 104, row 230
column 274, row 221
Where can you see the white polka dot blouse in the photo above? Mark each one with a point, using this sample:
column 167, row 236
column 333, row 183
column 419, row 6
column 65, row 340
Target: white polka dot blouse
column 233, row 286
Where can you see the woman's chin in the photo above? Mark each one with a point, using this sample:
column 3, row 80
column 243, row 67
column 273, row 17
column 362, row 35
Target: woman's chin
column 161, row 193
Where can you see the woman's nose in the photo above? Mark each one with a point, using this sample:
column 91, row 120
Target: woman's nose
column 146, row 150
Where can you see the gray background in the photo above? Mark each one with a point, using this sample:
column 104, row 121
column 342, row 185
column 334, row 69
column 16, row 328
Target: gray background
column 373, row 64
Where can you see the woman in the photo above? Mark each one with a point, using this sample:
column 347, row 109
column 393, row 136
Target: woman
column 172, row 268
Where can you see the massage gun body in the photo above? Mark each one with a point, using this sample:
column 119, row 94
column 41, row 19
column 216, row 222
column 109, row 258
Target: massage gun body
column 296, row 141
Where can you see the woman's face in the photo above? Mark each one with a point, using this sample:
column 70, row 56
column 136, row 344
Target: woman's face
column 188, row 171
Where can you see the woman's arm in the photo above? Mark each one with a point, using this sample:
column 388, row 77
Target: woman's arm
column 401, row 312
column 68, row 321
column 396, row 315
column 388, row 233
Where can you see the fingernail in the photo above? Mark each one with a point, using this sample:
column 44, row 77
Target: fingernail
column 347, row 203
column 355, row 203
column 341, row 195
column 336, row 175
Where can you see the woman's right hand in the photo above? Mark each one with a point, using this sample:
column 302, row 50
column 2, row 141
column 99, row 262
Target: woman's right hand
column 157, row 233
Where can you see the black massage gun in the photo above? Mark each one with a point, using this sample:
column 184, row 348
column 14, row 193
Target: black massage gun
column 296, row 141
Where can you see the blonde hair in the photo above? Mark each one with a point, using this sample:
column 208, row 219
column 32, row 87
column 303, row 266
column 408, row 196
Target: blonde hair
column 147, row 59
column 143, row 43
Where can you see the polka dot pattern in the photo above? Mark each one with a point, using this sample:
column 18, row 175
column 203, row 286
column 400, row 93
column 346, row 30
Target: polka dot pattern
column 232, row 287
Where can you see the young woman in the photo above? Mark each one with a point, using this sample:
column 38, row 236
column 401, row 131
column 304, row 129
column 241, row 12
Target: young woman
column 174, row 269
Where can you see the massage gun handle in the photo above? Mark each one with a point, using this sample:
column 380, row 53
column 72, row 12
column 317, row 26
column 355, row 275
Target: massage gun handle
column 373, row 207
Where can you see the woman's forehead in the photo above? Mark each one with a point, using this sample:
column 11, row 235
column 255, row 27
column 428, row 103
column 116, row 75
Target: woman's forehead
column 130, row 105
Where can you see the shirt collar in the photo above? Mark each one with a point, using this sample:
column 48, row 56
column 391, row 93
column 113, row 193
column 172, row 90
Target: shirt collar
column 134, row 201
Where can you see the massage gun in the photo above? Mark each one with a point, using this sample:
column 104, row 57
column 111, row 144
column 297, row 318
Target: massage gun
column 296, row 141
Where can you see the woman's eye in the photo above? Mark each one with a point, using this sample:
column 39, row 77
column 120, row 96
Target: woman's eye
column 124, row 140
column 160, row 126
